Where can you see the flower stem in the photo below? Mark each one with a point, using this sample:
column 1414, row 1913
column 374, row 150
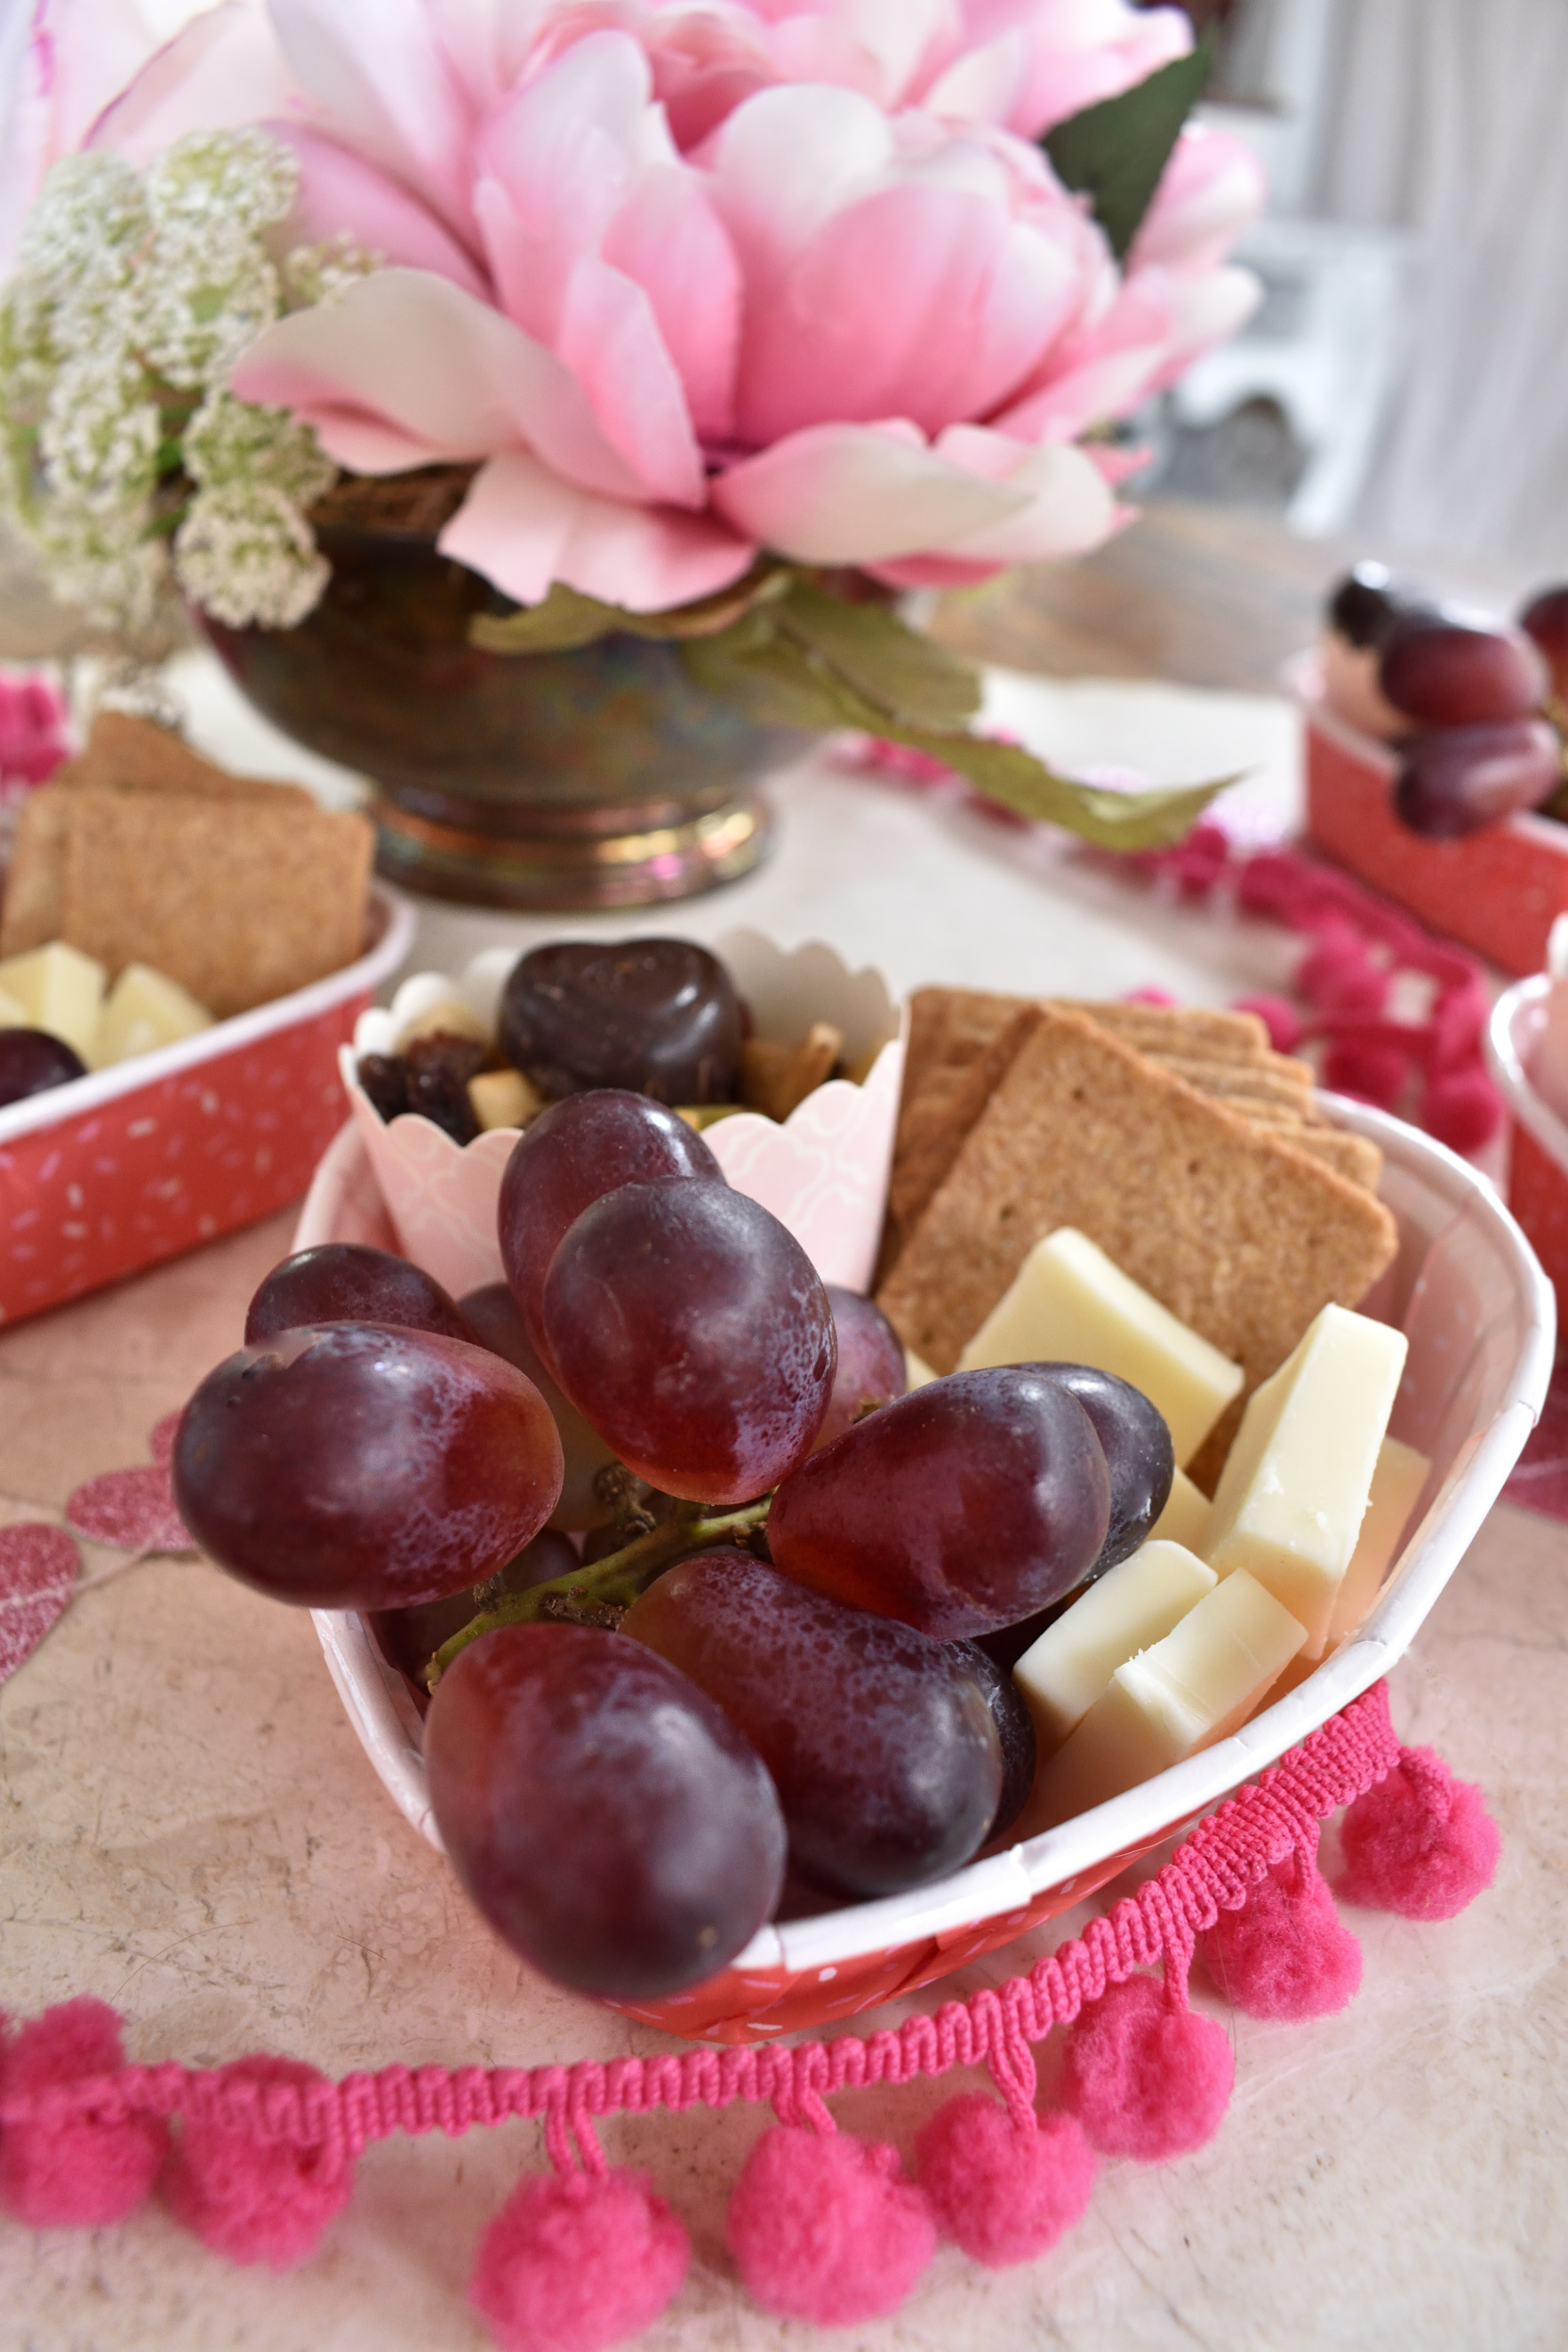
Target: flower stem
column 620, row 1576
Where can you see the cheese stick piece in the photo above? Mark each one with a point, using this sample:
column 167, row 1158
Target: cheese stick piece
column 1294, row 1491
column 1069, row 1304
column 1191, row 1689
column 62, row 989
column 1123, row 1612
column 1184, row 1516
column 1396, row 1484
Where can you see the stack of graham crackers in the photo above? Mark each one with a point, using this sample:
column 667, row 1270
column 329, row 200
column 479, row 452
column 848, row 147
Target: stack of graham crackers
column 140, row 851
column 1192, row 1155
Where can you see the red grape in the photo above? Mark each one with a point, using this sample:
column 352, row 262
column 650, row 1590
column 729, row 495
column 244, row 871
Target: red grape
column 870, row 1362
column 973, row 1502
column 1369, row 603
column 693, row 1330
column 1545, row 621
column 346, row 1282
column 357, row 1466
column 1139, row 1458
column 659, row 1017
column 605, row 1817
column 1466, row 777
column 498, row 1324
column 881, row 1743
column 409, row 1638
column 1448, row 672
column 1015, row 1730
column 31, row 1061
column 568, row 1158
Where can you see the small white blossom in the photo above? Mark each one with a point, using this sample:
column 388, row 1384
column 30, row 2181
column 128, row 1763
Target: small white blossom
column 80, row 250
column 106, row 565
column 230, row 440
column 100, row 436
column 237, row 181
column 247, row 554
column 318, row 273
column 203, row 296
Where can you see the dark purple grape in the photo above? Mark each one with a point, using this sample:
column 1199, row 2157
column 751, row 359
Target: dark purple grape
column 409, row 1638
column 881, row 1745
column 969, row 1504
column 32, row 1061
column 1545, row 621
column 498, row 1324
column 1006, row 1645
column 1370, row 602
column 1138, row 1454
column 1448, row 672
column 1015, row 1730
column 659, row 1017
column 870, row 1362
column 693, row 1330
column 346, row 1282
column 1467, row 777
column 570, row 1157
column 357, row 1466
column 605, row 1817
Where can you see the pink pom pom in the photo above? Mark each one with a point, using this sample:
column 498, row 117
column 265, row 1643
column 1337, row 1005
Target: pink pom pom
column 1283, row 1022
column 827, row 2228
column 1337, row 975
column 82, row 2174
column 1461, row 1110
column 1144, row 2078
column 1420, row 1842
column 255, row 2200
column 1364, row 1067
column 572, row 2262
column 1286, row 1954
column 1150, row 994
column 1003, row 2195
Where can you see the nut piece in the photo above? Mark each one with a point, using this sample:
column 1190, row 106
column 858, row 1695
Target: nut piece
column 775, row 1077
column 503, row 1098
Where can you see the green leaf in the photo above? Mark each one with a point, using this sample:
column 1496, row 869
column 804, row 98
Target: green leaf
column 880, row 656
column 1116, row 152
column 775, row 680
column 566, row 620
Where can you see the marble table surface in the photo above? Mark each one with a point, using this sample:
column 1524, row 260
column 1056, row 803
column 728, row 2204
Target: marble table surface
column 189, row 1830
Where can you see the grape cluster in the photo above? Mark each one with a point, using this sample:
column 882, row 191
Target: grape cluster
column 33, row 1060
column 1478, row 705
column 693, row 1580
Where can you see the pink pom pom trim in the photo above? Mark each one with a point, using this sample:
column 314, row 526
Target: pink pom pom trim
column 574, row 2262
column 1145, row 2079
column 1420, row 1842
column 78, row 2171
column 1003, row 2195
column 826, row 2227
column 255, row 2199
column 1286, row 1954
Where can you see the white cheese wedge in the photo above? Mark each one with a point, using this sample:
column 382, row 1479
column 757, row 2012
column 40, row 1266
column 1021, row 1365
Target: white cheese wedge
column 918, row 1372
column 1195, row 1687
column 1396, row 1484
column 145, row 1009
column 1293, row 1490
column 1068, row 1304
column 1123, row 1611
column 1185, row 1515
column 62, row 989
column 13, row 1013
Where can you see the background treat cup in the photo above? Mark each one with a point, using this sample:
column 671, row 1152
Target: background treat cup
column 1498, row 890
column 823, row 1173
column 1538, row 1155
column 1479, row 1312
column 131, row 1165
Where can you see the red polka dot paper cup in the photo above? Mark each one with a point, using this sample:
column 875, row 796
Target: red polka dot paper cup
column 1527, row 1038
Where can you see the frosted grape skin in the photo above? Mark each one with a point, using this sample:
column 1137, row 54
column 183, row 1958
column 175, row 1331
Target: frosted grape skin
column 348, row 1282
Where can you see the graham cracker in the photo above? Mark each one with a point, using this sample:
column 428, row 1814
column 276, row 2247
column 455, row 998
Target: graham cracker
column 239, row 901
column 1176, row 1028
column 933, row 1120
column 1221, row 1075
column 1238, row 1233
column 30, row 912
column 125, row 754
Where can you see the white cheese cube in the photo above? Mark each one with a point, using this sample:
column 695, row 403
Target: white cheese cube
column 13, row 1013
column 61, row 989
column 1396, row 1484
column 1293, row 1493
column 1069, row 1304
column 1123, row 1611
column 918, row 1372
column 1195, row 1687
column 145, row 1008
column 1185, row 1515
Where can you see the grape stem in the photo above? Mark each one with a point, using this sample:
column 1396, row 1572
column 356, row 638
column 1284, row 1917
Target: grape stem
column 620, row 1576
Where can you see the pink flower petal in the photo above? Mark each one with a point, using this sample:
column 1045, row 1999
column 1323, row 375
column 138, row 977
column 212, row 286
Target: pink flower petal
column 219, row 71
column 342, row 195
column 39, row 1567
column 782, row 166
column 668, row 238
column 857, row 493
column 1211, row 189
column 522, row 527
column 131, row 1510
column 610, row 339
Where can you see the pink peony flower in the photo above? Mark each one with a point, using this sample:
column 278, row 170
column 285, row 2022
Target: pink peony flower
column 692, row 278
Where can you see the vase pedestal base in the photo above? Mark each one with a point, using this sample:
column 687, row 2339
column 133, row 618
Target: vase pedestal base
column 574, row 866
